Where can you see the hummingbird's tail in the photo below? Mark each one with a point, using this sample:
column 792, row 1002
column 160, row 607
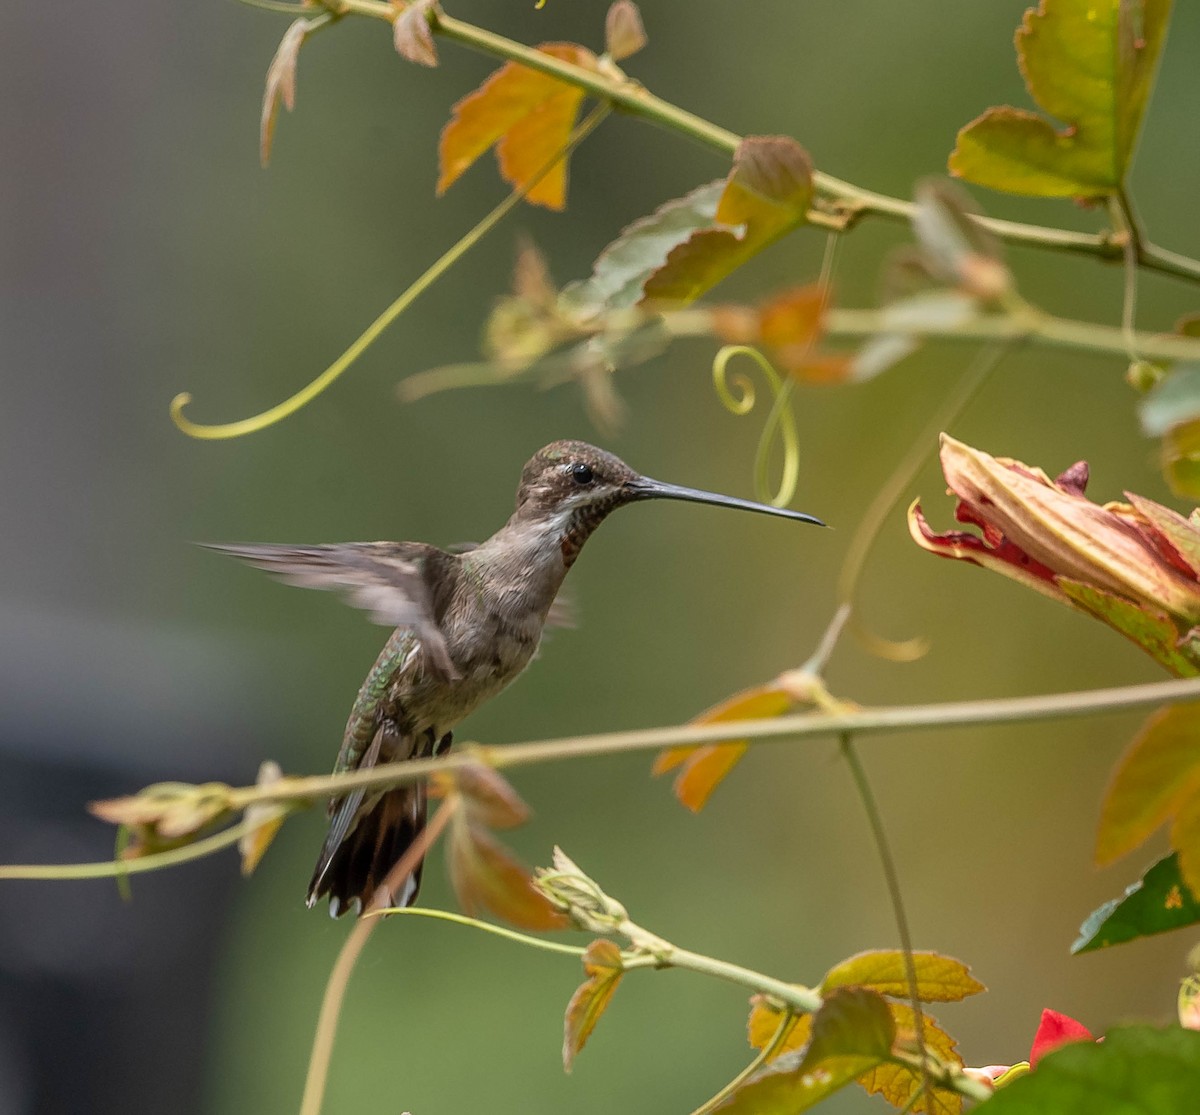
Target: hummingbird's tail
column 353, row 868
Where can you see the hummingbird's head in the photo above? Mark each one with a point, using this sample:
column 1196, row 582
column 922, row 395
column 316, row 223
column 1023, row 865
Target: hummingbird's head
column 569, row 477
column 574, row 485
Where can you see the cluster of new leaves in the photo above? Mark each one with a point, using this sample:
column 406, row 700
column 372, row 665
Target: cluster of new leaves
column 871, row 985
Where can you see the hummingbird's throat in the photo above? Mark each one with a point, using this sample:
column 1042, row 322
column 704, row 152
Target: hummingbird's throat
column 580, row 524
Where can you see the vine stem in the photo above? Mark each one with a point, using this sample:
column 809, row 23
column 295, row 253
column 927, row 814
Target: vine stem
column 343, row 968
column 368, row 337
column 895, row 893
column 764, row 1055
column 109, row 869
column 633, row 98
column 865, row 721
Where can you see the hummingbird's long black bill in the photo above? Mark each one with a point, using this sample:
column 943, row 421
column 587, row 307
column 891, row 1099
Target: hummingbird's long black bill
column 645, row 488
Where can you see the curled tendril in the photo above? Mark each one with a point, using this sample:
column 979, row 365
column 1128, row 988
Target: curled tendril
column 737, row 395
column 443, row 264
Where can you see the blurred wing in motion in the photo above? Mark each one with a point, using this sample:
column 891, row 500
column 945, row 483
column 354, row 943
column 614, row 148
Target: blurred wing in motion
column 388, row 580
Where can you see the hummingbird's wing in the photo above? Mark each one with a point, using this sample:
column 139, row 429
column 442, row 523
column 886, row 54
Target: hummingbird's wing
column 389, row 580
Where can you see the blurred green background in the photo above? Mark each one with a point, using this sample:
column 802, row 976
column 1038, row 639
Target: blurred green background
column 144, row 252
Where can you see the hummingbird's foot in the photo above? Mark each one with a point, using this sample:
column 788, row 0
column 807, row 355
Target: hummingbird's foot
column 443, row 745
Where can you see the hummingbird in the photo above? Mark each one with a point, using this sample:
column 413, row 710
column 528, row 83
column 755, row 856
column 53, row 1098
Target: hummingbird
column 467, row 623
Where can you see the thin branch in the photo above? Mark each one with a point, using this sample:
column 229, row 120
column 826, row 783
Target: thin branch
column 633, row 98
column 109, row 869
column 895, row 893
column 764, row 1055
column 1030, row 324
column 877, row 721
column 482, row 926
column 343, row 968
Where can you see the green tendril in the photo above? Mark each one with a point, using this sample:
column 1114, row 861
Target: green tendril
column 306, row 394
column 738, row 396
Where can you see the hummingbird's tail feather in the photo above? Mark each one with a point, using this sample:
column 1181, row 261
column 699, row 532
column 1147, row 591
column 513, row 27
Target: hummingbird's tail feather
column 354, row 869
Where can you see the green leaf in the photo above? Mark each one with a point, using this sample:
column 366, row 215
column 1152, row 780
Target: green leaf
column 1148, row 627
column 766, row 195
column 1158, row 902
column 939, row 978
column 1175, row 400
column 642, row 248
column 1181, row 459
column 852, row 1033
column 1136, row 1070
column 1089, row 64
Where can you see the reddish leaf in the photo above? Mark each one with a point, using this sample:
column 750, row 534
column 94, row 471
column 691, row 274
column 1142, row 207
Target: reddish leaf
column 485, row 876
column 412, row 35
column 766, row 195
column 281, row 84
column 939, row 978
column 706, row 765
column 1154, row 779
column 488, row 798
column 527, row 115
column 603, row 965
column 624, row 34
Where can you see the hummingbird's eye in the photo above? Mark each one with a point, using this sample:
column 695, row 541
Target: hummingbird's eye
column 581, row 473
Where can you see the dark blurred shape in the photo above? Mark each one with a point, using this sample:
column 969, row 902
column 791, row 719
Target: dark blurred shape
column 104, row 1004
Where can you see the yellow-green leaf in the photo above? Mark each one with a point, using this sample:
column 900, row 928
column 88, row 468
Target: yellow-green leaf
column 527, row 115
column 1154, row 779
column 603, row 965
column 939, row 978
column 1150, row 628
column 1088, row 64
column 764, row 1021
column 851, row 1034
column 899, row 1084
column 767, row 194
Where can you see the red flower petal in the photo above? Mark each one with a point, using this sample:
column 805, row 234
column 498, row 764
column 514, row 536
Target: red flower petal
column 1055, row 1030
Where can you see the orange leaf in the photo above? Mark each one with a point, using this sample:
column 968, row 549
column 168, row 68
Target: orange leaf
column 939, row 978
column 604, row 968
column 764, row 1021
column 485, row 875
column 1154, row 778
column 528, row 116
column 898, row 1084
column 706, row 765
column 793, row 317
